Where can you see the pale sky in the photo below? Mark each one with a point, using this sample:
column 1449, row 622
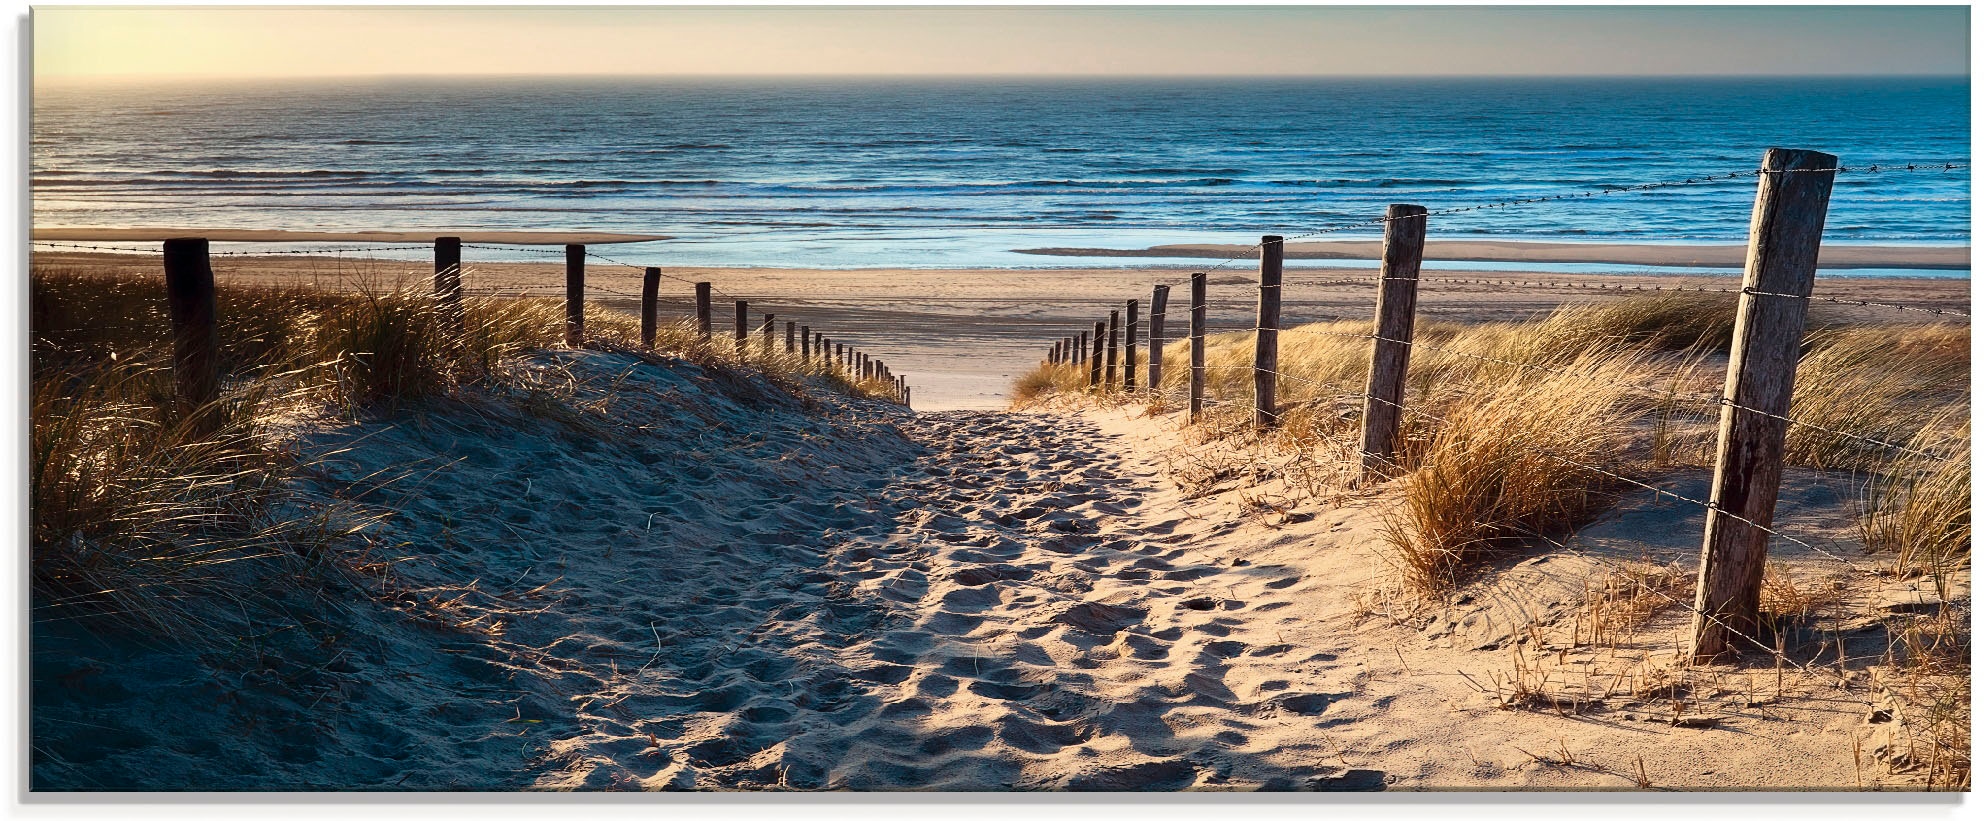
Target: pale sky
column 74, row 43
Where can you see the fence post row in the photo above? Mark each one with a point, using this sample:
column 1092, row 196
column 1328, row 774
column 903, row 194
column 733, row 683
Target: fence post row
column 1109, row 364
column 650, row 293
column 1391, row 350
column 1785, row 231
column 1159, row 294
column 575, row 295
column 1197, row 391
column 448, row 277
column 703, row 308
column 1095, row 357
column 189, row 302
column 1130, row 345
column 1267, row 333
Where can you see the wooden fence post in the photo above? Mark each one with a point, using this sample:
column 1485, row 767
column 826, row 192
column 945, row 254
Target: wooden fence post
column 703, row 308
column 448, row 277
column 1267, row 333
column 650, row 292
column 791, row 337
column 1081, row 348
column 805, row 343
column 840, row 355
column 189, row 302
column 1130, row 346
column 575, row 295
column 1109, row 362
column 1159, row 295
column 905, row 396
column 742, row 318
column 765, row 333
column 1095, row 357
column 1197, row 390
column 1785, row 230
column 1391, row 346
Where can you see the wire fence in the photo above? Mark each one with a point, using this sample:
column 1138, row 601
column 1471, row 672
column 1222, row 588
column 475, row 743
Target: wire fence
column 1755, row 294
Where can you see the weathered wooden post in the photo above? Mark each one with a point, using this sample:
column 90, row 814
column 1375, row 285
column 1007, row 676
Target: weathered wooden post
column 650, row 293
column 1391, row 346
column 1081, row 348
column 1159, row 294
column 575, row 295
column 765, row 333
column 1109, row 361
column 703, row 308
column 1095, row 357
column 805, row 343
column 742, row 318
column 1785, row 230
column 189, row 303
column 448, row 277
column 791, row 337
column 1197, row 396
column 1069, row 353
column 1054, row 354
column 1267, row 333
column 840, row 355
column 1130, row 346
column 905, row 396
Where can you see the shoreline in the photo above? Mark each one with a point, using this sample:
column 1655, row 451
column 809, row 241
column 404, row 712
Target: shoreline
column 1937, row 257
column 278, row 235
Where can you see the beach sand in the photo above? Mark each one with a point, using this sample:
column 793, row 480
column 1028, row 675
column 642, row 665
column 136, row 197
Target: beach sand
column 962, row 336
column 1609, row 253
column 697, row 582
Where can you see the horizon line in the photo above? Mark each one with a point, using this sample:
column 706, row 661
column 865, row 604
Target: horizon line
column 987, row 76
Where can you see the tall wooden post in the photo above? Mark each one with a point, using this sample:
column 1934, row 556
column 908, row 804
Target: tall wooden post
column 575, row 295
column 703, row 308
column 1109, row 362
column 805, row 343
column 1095, row 357
column 1159, row 295
column 448, row 277
column 1785, row 228
column 742, row 318
column 1391, row 349
column 791, row 337
column 1197, row 395
column 1069, row 355
column 765, row 333
column 1130, row 346
column 905, row 396
column 189, row 303
column 1267, row 333
column 840, row 355
column 1081, row 348
column 650, row 294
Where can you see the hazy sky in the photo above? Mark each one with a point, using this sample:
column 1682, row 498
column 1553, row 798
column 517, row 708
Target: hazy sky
column 83, row 42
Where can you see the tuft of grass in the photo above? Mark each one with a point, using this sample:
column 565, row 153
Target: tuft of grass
column 1882, row 383
column 1918, row 507
column 1500, row 469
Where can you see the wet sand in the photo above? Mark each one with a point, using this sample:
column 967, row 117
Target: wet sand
column 1707, row 256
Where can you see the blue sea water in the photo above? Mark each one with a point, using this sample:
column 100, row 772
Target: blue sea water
column 961, row 173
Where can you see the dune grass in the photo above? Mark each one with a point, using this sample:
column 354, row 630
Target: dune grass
column 141, row 519
column 1509, row 419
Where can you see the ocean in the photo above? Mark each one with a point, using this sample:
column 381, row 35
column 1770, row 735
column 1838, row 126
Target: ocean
column 851, row 173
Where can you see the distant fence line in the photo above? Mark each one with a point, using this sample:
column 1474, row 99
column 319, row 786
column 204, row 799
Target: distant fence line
column 1787, row 222
column 189, row 292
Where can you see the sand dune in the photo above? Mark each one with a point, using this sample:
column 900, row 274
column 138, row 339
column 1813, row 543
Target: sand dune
column 630, row 575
